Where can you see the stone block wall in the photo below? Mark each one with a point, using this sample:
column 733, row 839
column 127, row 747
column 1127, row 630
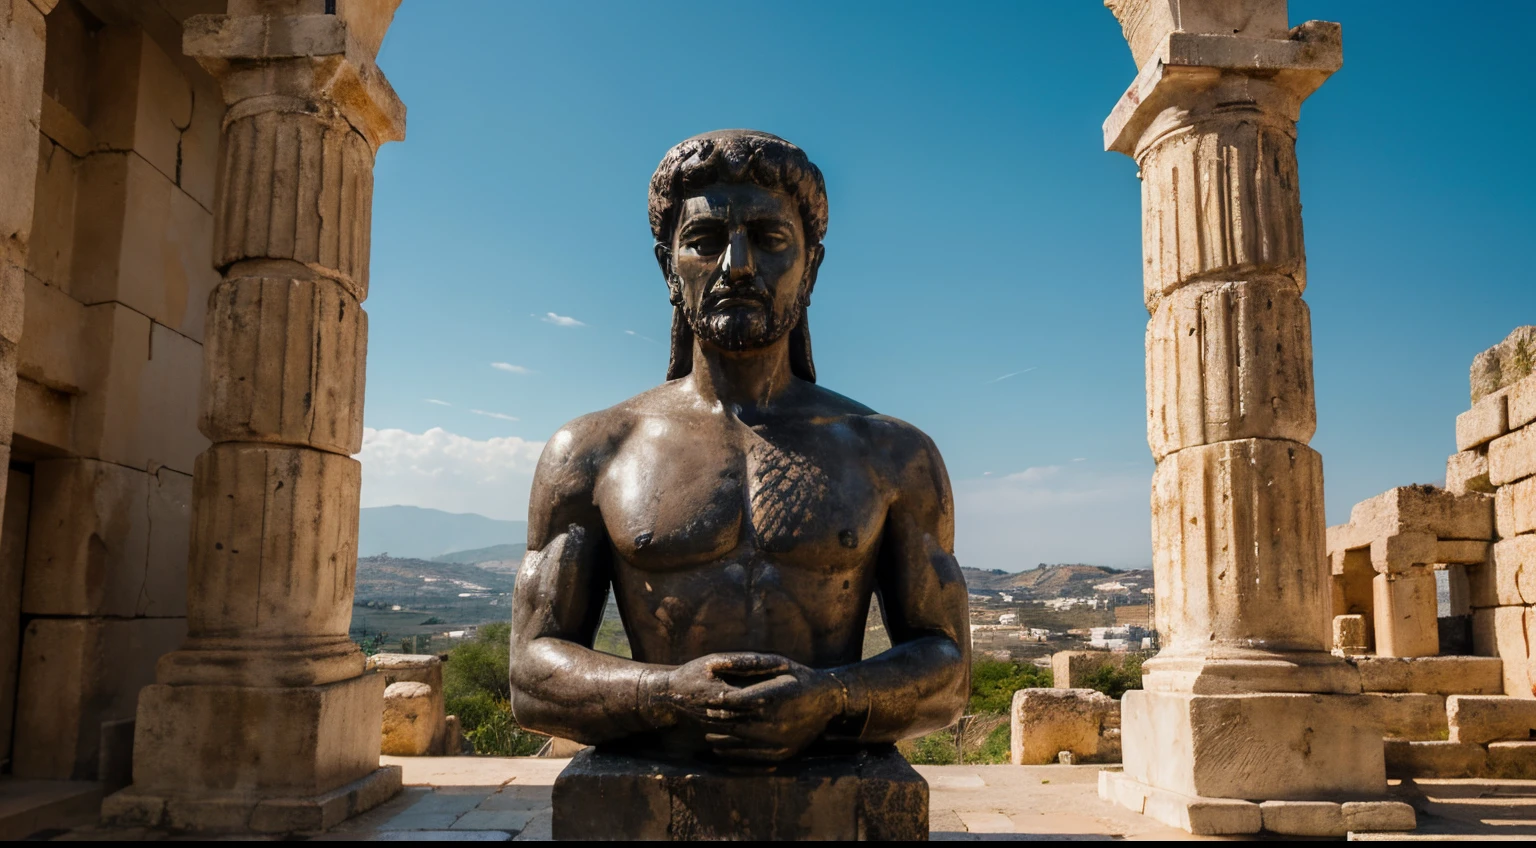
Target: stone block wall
column 112, row 296
column 1496, row 440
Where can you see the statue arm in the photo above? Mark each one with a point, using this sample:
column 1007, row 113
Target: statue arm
column 923, row 681
column 561, row 686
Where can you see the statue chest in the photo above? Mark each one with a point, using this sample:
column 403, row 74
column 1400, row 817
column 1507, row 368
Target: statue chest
column 811, row 497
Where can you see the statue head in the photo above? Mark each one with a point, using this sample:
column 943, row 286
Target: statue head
column 738, row 217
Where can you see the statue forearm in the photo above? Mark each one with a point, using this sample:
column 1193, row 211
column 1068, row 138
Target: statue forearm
column 611, row 698
column 913, row 688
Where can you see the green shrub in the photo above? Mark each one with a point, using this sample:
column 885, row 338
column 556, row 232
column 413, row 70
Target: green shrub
column 984, row 732
column 997, row 747
column 476, row 688
column 993, row 683
column 935, row 749
column 1115, row 681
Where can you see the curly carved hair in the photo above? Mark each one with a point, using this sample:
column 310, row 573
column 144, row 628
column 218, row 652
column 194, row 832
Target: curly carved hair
column 737, row 156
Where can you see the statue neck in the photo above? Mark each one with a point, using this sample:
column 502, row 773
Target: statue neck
column 749, row 380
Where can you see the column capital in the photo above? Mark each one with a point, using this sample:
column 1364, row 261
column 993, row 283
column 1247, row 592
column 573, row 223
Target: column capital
column 1194, row 75
column 317, row 64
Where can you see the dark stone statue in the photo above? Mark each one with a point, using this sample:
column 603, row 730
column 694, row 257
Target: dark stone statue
column 743, row 516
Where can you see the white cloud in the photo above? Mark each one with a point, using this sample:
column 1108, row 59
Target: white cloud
column 436, row 402
column 446, row 471
column 496, row 415
column 510, row 368
column 561, row 320
column 1055, row 513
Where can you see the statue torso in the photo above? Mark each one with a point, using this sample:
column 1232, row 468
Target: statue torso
column 734, row 537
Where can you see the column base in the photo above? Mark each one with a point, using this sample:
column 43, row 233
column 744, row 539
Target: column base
column 1230, row 817
column 260, row 663
column 1264, row 747
column 246, row 813
column 264, row 759
column 1243, row 671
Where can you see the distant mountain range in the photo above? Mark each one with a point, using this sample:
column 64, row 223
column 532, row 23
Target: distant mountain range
column 482, row 556
column 465, row 539
column 1055, row 581
column 413, row 532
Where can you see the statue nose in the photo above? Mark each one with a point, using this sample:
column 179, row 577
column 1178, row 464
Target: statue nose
column 737, row 262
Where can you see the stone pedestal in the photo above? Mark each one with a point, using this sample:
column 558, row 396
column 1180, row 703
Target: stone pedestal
column 872, row 795
column 1245, row 703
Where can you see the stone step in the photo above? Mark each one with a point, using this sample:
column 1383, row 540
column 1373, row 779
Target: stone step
column 1439, row 759
column 33, row 806
column 1409, row 715
column 1433, row 675
column 1512, row 760
column 1483, row 719
column 1454, row 760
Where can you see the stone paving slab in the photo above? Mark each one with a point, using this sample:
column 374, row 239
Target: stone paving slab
column 479, row 799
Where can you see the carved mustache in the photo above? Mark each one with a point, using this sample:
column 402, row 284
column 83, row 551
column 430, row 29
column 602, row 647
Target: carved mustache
column 723, row 291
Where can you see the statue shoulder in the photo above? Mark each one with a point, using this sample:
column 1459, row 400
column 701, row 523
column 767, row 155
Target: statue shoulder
column 915, row 459
column 567, row 473
column 577, row 451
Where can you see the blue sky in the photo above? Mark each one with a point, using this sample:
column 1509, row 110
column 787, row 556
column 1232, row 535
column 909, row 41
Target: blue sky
column 978, row 229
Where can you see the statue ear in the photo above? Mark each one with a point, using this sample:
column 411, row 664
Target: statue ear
column 812, row 268
column 664, row 260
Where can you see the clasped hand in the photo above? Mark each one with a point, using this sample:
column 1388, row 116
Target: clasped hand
column 750, row 706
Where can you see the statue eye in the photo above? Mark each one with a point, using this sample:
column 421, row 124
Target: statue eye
column 772, row 240
column 706, row 245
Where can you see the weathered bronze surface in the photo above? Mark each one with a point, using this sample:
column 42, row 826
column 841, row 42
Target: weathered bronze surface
column 742, row 515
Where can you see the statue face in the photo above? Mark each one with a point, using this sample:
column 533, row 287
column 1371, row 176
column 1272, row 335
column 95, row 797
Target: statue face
column 740, row 260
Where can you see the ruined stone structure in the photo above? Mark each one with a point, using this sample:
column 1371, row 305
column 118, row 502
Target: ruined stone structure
column 1245, row 710
column 185, row 192
column 1454, row 691
column 1063, row 725
column 415, row 719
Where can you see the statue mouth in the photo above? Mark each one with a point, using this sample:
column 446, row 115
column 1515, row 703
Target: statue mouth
column 736, row 302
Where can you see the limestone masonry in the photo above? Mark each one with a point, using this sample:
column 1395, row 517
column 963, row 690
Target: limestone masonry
column 185, row 195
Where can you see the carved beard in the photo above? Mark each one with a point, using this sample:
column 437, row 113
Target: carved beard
column 741, row 328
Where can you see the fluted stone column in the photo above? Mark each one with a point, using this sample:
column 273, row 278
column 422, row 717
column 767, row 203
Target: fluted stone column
column 1244, row 701
column 265, row 719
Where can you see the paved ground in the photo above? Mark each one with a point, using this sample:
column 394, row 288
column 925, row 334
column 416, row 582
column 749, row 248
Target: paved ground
column 496, row 799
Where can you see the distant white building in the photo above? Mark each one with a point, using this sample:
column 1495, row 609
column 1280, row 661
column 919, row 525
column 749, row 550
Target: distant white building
column 1007, row 598
column 1120, row 638
column 1008, row 618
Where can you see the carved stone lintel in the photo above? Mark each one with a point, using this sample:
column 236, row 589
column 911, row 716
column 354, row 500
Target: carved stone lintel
column 313, row 59
column 1189, row 66
column 1147, row 23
